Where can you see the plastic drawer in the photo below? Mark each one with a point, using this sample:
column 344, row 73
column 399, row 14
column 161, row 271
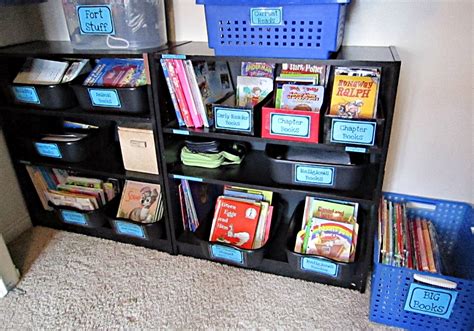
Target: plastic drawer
column 58, row 96
column 74, row 216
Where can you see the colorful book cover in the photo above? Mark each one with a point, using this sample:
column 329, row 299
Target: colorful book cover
column 421, row 245
column 252, row 90
column 183, row 81
column 354, row 96
column 257, row 69
column 117, row 73
column 301, row 97
column 172, row 93
column 429, row 250
column 196, row 93
column 304, row 70
column 139, row 201
column 336, row 211
column 235, row 222
column 183, row 106
column 280, row 81
column 260, row 233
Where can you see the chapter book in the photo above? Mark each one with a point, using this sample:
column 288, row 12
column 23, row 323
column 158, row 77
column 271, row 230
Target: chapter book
column 308, row 98
column 355, row 92
column 252, row 90
column 257, row 69
column 315, row 71
column 140, row 202
column 280, row 82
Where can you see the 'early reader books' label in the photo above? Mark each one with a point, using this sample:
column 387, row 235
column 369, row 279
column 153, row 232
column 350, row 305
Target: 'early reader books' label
column 96, row 20
column 314, row 175
column 319, row 266
column 26, row 94
column 429, row 300
column 48, row 150
column 234, row 119
column 73, row 217
column 290, row 125
column 105, row 98
column 353, row 132
column 266, row 16
column 129, row 229
column 226, row 253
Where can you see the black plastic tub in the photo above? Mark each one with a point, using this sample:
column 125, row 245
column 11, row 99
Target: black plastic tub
column 58, row 96
column 311, row 264
column 73, row 216
column 132, row 100
column 295, row 166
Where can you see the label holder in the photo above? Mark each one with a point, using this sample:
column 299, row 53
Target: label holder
column 225, row 253
column 108, row 98
column 315, row 175
column 319, row 266
column 130, row 229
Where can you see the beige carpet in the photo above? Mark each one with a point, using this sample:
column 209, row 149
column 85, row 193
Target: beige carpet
column 72, row 281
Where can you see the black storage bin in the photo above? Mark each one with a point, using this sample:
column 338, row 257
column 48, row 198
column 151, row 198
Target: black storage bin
column 312, row 264
column 58, row 96
column 129, row 228
column 73, row 216
column 132, row 100
column 295, row 166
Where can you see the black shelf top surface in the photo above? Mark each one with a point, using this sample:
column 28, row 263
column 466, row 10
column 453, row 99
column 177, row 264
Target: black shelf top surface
column 359, row 54
column 211, row 133
column 76, row 112
column 64, row 48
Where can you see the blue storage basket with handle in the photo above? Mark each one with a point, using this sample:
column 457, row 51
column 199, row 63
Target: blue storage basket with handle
column 310, row 29
column 418, row 300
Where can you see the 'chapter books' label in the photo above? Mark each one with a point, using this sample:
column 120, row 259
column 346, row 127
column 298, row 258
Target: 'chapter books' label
column 226, row 253
column 234, row 119
column 105, row 98
column 73, row 217
column 290, row 125
column 129, row 229
column 97, row 20
column 48, row 150
column 266, row 16
column 353, row 132
column 26, row 94
column 429, row 300
column 319, row 266
column 317, row 175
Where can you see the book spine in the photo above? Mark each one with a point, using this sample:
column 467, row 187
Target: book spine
column 179, row 66
column 196, row 93
column 414, row 243
column 268, row 225
column 214, row 219
column 179, row 93
column 172, row 93
column 435, row 246
column 421, row 243
column 429, row 250
column 183, row 208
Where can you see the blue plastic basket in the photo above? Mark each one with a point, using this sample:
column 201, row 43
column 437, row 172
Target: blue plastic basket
column 309, row 29
column 391, row 293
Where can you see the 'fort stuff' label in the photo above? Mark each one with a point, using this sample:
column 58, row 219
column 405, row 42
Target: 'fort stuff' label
column 353, row 132
column 429, row 300
column 266, row 16
column 316, row 175
column 290, row 125
column 105, row 98
column 234, row 119
column 96, row 20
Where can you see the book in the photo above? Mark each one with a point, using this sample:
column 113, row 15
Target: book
column 314, row 71
column 355, row 93
column 139, row 202
column 117, row 73
column 196, row 93
column 183, row 106
column 421, row 246
column 235, row 222
column 65, row 199
column 428, row 245
column 41, row 72
column 183, row 81
column 172, row 93
column 280, row 81
column 252, row 90
column 296, row 97
column 76, row 68
column 257, row 69
column 40, row 185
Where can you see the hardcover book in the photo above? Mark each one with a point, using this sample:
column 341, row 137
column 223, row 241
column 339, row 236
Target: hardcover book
column 296, row 97
column 140, row 202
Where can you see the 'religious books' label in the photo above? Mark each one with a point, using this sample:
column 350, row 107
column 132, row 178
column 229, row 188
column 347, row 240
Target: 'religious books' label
column 74, row 217
column 319, row 266
column 234, row 119
column 317, row 175
column 48, row 150
column 129, row 229
column 290, row 125
column 226, row 253
column 430, row 300
column 105, row 98
column 353, row 132
column 95, row 20
column 266, row 16
column 26, row 94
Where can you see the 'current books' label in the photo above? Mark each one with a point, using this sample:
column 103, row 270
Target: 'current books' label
column 266, row 16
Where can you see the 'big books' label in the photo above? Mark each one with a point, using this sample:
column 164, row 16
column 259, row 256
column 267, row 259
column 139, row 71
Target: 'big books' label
column 317, row 175
column 266, row 16
column 319, row 266
column 226, row 253
column 353, row 132
column 73, row 217
column 290, row 125
column 233, row 119
column 105, row 98
column 429, row 300
column 129, row 229
column 48, row 150
column 95, row 20
column 26, row 94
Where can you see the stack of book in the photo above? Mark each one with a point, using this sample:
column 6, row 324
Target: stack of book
column 193, row 87
column 117, row 73
column 242, row 217
column 329, row 229
column 141, row 202
column 407, row 242
column 59, row 188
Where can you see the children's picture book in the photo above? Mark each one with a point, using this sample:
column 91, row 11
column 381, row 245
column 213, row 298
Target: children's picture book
column 257, row 69
column 140, row 202
column 296, row 97
column 252, row 90
column 42, row 72
column 110, row 72
column 355, row 92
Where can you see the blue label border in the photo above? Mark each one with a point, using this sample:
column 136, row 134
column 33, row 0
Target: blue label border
column 117, row 229
column 318, row 272
column 248, row 111
column 416, row 286
column 295, row 177
column 103, row 105
column 308, row 136
column 213, row 256
column 252, row 10
column 96, row 33
column 65, row 220
column 38, row 149
column 335, row 120
column 36, row 102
